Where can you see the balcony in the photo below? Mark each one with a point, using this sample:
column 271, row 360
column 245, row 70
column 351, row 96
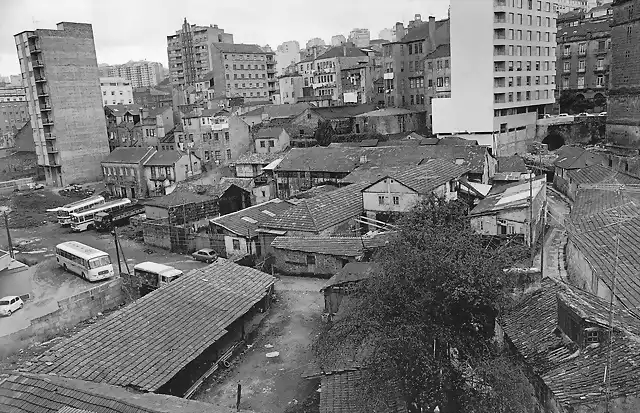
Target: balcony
column 581, row 86
column 42, row 91
column 52, row 148
column 500, row 3
column 603, row 68
column 499, row 34
column 220, row 126
column 37, row 63
column 158, row 177
column 47, row 120
column 271, row 71
column 499, row 67
column 582, row 52
column 388, row 76
column 34, row 47
column 500, row 17
column 602, row 51
column 53, row 161
column 566, row 55
column 40, row 78
column 49, row 136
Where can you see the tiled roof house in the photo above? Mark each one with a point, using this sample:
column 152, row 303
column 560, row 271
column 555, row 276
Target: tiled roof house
column 148, row 344
column 563, row 334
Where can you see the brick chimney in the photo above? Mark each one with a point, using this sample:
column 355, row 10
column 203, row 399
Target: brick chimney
column 432, row 34
column 399, row 31
column 144, row 113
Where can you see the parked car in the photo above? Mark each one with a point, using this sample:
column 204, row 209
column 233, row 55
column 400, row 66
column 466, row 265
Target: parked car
column 205, row 255
column 10, row 304
column 583, row 115
column 546, row 116
column 563, row 115
column 602, row 114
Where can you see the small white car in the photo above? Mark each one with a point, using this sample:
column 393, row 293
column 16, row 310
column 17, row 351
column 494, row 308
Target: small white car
column 10, row 304
column 602, row 114
column 563, row 115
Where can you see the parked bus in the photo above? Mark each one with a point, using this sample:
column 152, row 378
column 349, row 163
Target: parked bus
column 105, row 221
column 154, row 275
column 84, row 220
column 64, row 213
column 89, row 263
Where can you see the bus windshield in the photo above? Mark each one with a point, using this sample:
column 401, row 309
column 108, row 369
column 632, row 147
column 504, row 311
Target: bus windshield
column 63, row 214
column 99, row 262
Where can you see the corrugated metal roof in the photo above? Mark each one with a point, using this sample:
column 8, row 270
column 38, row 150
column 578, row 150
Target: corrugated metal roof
column 145, row 344
column 165, row 158
column 338, row 246
column 129, row 155
column 245, row 222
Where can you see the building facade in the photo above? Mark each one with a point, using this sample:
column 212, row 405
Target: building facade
column 290, row 87
column 360, row 37
column 123, row 172
column 141, row 73
column 189, row 51
column 403, row 62
column 116, row 90
column 166, row 168
column 243, row 70
column 287, row 53
column 437, row 79
column 512, row 78
column 14, row 113
column 65, row 106
column 623, row 123
column 584, row 56
column 216, row 137
column 338, row 40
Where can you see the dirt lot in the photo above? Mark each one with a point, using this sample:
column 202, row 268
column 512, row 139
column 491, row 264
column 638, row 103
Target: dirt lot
column 270, row 386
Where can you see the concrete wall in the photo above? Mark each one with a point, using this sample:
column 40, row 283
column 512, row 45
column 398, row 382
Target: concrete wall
column 71, row 311
column 388, row 125
column 72, row 76
column 295, row 263
column 588, row 130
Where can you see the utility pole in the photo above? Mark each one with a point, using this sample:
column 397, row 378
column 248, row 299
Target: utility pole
column 6, row 225
column 115, row 239
column 531, row 246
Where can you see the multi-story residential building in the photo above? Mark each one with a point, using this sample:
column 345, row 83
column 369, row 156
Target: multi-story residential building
column 290, row 87
column 327, row 71
column 243, row 70
column 584, row 56
column 65, row 107
column 123, row 172
column 403, row 62
column 14, row 112
column 140, row 73
column 387, row 34
column 189, row 51
column 338, row 40
column 116, row 91
column 272, row 140
column 166, row 168
column 564, row 6
column 287, row 53
column 131, row 126
column 624, row 96
column 215, row 136
column 507, row 76
column 360, row 37
column 437, row 79
column 358, row 84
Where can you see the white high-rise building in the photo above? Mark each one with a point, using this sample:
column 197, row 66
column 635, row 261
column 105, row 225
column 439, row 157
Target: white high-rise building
column 338, row 40
column 387, row 34
column 116, row 91
column 140, row 73
column 503, row 68
column 287, row 53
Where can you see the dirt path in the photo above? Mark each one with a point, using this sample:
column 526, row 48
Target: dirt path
column 272, row 386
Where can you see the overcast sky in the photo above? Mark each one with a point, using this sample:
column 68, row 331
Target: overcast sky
column 136, row 29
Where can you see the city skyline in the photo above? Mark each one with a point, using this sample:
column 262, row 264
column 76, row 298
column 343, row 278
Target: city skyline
column 136, row 41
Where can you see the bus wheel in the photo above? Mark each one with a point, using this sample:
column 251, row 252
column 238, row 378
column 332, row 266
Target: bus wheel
column 65, row 267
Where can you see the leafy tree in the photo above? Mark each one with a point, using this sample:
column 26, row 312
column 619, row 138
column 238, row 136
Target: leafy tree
column 324, row 134
column 425, row 322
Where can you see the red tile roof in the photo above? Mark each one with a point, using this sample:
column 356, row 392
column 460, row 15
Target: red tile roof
column 597, row 173
column 39, row 393
column 572, row 157
column 322, row 212
column 145, row 344
column 339, row 246
column 351, row 272
column 574, row 377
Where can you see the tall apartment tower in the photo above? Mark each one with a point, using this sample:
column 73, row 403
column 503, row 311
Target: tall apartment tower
column 60, row 76
column 623, row 123
column 189, row 52
column 503, row 67
column 287, row 54
column 140, row 73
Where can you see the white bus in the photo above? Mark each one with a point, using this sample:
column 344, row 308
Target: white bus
column 89, row 263
column 64, row 213
column 156, row 275
column 83, row 220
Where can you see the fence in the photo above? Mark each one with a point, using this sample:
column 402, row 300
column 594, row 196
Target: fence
column 179, row 239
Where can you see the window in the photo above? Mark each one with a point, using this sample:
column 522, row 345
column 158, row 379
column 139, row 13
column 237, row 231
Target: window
column 228, row 153
column 262, row 144
column 600, row 81
column 580, row 82
column 396, row 200
column 236, row 245
column 591, row 336
column 381, row 199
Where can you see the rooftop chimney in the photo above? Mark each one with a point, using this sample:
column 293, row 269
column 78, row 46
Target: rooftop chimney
column 432, row 34
column 399, row 31
column 418, row 17
column 344, row 50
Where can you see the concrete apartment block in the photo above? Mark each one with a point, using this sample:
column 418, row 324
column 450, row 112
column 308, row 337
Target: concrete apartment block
column 62, row 86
